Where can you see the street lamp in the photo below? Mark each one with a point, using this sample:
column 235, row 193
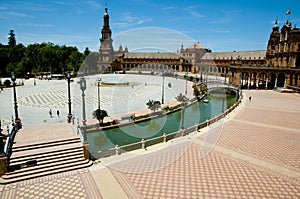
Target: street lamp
column 98, row 84
column 163, row 90
column 69, row 98
column 82, row 83
column 186, row 83
column 17, row 119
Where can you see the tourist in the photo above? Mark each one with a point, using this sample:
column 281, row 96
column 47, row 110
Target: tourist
column 50, row 113
column 250, row 99
column 57, row 113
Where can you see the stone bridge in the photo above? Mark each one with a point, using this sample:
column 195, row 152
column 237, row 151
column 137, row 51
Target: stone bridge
column 216, row 85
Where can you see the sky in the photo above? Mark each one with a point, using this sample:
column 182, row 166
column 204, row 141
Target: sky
column 220, row 25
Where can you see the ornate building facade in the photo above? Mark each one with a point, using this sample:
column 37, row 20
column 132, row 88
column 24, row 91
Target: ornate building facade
column 278, row 66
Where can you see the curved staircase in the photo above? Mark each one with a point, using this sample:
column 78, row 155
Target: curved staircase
column 34, row 160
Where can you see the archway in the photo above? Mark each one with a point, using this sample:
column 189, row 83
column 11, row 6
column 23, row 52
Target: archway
column 281, row 80
column 297, row 62
column 272, row 80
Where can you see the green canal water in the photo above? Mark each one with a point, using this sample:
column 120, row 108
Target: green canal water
column 195, row 114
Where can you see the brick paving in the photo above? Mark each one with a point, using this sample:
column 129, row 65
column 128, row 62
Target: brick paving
column 73, row 184
column 266, row 132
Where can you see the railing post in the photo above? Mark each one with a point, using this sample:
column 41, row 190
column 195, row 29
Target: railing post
column 117, row 150
column 143, row 143
column 165, row 137
column 182, row 132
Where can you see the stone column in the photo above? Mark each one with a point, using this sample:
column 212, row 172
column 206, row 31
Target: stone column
column 257, row 81
column 249, row 82
column 275, row 86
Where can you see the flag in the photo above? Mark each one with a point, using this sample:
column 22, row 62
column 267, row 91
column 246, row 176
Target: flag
column 288, row 12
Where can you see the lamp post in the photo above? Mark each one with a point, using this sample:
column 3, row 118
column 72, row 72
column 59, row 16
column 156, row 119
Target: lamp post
column 17, row 119
column 186, row 83
column 98, row 84
column 69, row 117
column 163, row 90
column 82, row 83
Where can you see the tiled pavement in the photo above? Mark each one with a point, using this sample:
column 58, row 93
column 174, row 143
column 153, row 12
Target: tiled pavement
column 254, row 154
column 73, row 184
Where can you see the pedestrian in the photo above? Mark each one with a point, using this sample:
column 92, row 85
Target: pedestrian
column 50, row 113
column 57, row 113
column 250, row 99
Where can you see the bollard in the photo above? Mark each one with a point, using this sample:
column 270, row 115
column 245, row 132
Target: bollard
column 182, row 132
column 165, row 137
column 117, row 150
column 143, row 144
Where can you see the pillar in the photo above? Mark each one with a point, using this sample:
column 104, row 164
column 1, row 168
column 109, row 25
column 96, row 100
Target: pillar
column 249, row 81
column 165, row 137
column 275, row 86
column 3, row 165
column 257, row 81
column 86, row 153
column 143, row 143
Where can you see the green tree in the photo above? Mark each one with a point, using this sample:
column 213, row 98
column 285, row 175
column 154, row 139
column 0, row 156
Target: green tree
column 100, row 115
column 12, row 39
column 182, row 98
column 153, row 105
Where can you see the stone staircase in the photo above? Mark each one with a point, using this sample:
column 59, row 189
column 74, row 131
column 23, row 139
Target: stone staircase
column 45, row 158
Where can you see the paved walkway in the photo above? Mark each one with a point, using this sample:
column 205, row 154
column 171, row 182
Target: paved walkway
column 34, row 102
column 252, row 153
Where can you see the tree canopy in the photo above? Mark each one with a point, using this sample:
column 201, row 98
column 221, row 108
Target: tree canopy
column 153, row 105
column 43, row 57
column 100, row 115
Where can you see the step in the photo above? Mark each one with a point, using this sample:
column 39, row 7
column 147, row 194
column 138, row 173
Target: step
column 50, row 172
column 45, row 144
column 47, row 150
column 24, row 159
column 47, row 159
column 49, row 167
column 46, row 164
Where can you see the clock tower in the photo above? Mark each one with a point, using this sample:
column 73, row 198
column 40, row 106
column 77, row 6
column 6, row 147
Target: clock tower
column 106, row 50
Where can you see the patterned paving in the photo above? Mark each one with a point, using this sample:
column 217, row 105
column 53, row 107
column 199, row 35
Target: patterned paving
column 265, row 131
column 55, row 96
column 73, row 184
column 216, row 176
column 274, row 145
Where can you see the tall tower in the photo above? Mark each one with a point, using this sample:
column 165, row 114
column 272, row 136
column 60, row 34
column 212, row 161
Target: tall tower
column 273, row 45
column 106, row 50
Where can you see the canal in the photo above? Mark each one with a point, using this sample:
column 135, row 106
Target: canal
column 195, row 114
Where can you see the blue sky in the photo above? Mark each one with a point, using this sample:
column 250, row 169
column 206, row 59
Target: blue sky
column 219, row 25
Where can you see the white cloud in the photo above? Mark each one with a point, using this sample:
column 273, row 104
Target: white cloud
column 37, row 25
column 129, row 21
column 9, row 14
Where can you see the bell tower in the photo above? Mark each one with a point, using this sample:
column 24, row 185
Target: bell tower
column 273, row 45
column 106, row 50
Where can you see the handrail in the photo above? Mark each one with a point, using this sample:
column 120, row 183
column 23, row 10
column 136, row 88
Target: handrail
column 10, row 141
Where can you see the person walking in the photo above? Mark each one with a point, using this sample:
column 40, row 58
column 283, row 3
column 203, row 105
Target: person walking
column 50, row 113
column 57, row 112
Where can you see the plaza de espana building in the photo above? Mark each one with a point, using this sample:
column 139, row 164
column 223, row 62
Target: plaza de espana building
column 276, row 67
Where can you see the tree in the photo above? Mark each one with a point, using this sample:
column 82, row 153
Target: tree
column 153, row 105
column 100, row 115
column 12, row 39
column 182, row 98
